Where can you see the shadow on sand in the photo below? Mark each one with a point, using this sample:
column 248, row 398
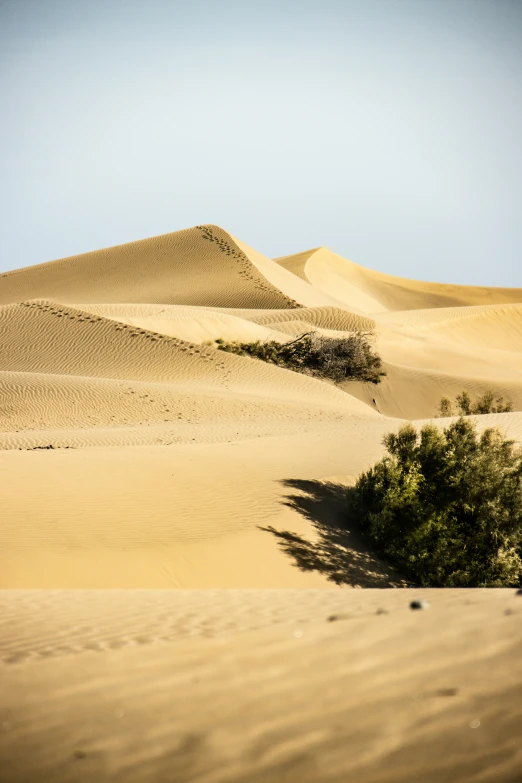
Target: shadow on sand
column 338, row 550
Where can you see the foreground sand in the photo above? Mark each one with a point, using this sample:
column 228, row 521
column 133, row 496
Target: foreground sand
column 277, row 685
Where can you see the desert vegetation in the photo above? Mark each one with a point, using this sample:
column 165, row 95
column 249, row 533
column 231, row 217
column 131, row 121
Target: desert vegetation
column 465, row 406
column 339, row 358
column 445, row 506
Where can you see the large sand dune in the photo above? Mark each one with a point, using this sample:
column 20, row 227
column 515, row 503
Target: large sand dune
column 134, row 454
column 201, row 266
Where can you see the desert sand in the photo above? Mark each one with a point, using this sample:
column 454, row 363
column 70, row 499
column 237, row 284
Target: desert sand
column 169, row 457
column 136, row 455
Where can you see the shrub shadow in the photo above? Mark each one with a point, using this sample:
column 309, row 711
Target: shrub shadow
column 338, row 551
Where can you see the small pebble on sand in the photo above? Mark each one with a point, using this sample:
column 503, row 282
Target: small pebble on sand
column 419, row 604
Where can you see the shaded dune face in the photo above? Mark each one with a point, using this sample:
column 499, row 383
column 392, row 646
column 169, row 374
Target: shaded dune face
column 156, row 460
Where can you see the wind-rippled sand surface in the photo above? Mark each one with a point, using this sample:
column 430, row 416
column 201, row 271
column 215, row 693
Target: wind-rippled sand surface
column 136, row 455
column 261, row 685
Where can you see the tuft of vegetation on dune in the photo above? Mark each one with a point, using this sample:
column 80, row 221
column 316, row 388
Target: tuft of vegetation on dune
column 466, row 407
column 339, row 358
column 445, row 506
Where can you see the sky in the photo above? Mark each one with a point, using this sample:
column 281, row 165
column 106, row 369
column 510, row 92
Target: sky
column 387, row 130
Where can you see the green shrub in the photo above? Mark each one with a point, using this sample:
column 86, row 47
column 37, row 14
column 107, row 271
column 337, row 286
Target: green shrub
column 465, row 406
column 445, row 506
column 339, row 358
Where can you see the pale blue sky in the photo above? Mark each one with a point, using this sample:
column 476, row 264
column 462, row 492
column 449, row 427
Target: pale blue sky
column 388, row 130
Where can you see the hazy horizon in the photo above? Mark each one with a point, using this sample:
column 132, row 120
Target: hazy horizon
column 387, row 131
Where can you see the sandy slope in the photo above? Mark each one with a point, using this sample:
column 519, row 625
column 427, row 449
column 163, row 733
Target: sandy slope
column 222, row 687
column 188, row 515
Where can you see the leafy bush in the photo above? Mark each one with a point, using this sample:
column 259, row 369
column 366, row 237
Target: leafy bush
column 339, row 358
column 445, row 506
column 466, row 407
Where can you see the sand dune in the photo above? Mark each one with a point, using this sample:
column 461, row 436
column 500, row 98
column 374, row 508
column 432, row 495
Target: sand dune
column 48, row 338
column 157, row 459
column 200, row 266
column 375, row 292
